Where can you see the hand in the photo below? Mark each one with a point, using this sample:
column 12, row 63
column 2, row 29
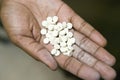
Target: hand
column 22, row 21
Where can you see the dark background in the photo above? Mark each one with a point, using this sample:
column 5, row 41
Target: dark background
column 104, row 15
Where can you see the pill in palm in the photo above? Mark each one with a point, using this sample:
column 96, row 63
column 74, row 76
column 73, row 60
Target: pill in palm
column 66, row 30
column 57, row 40
column 44, row 23
column 51, row 27
column 56, row 46
column 58, row 35
column 53, row 51
column 69, row 25
column 67, row 53
column 55, row 19
column 63, row 49
column 46, row 40
column 59, row 26
column 63, row 44
column 49, row 19
column 73, row 40
column 62, row 32
column 57, row 53
column 64, row 24
column 43, row 31
column 69, row 34
column 55, row 33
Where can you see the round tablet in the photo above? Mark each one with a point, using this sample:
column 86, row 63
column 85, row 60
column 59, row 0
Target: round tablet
column 43, row 31
column 46, row 41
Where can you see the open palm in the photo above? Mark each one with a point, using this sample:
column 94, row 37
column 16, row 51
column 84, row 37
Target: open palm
column 22, row 21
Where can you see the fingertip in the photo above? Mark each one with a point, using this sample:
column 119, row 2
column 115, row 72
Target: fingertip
column 47, row 59
column 105, row 56
column 106, row 71
column 51, row 63
column 113, row 61
column 98, row 38
column 112, row 75
column 53, row 66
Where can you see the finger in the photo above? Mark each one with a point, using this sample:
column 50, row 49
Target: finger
column 75, row 67
column 83, row 56
column 37, row 51
column 94, row 49
column 105, row 56
column 89, row 46
column 106, row 72
column 83, row 27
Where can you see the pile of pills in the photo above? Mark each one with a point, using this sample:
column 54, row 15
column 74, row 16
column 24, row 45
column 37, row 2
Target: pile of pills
column 58, row 35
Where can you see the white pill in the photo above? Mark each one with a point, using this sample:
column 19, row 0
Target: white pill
column 63, row 44
column 46, row 40
column 55, row 27
column 57, row 40
column 55, row 19
column 56, row 46
column 50, row 32
column 43, row 31
column 64, row 24
column 52, row 40
column 69, row 25
column 73, row 40
column 48, row 35
column 59, row 26
column 53, row 51
column 63, row 38
column 63, row 49
column 66, row 30
column 69, row 42
column 62, row 32
column 67, row 53
column 55, row 33
column 51, row 27
column 69, row 34
column 44, row 23
column 57, row 53
column 49, row 19
column 70, row 47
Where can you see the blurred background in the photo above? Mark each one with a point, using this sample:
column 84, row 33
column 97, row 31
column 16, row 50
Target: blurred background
column 104, row 15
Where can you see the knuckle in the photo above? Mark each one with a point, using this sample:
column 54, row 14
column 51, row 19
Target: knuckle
column 67, row 62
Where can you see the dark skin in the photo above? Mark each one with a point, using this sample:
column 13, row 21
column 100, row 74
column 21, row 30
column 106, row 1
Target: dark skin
column 22, row 21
